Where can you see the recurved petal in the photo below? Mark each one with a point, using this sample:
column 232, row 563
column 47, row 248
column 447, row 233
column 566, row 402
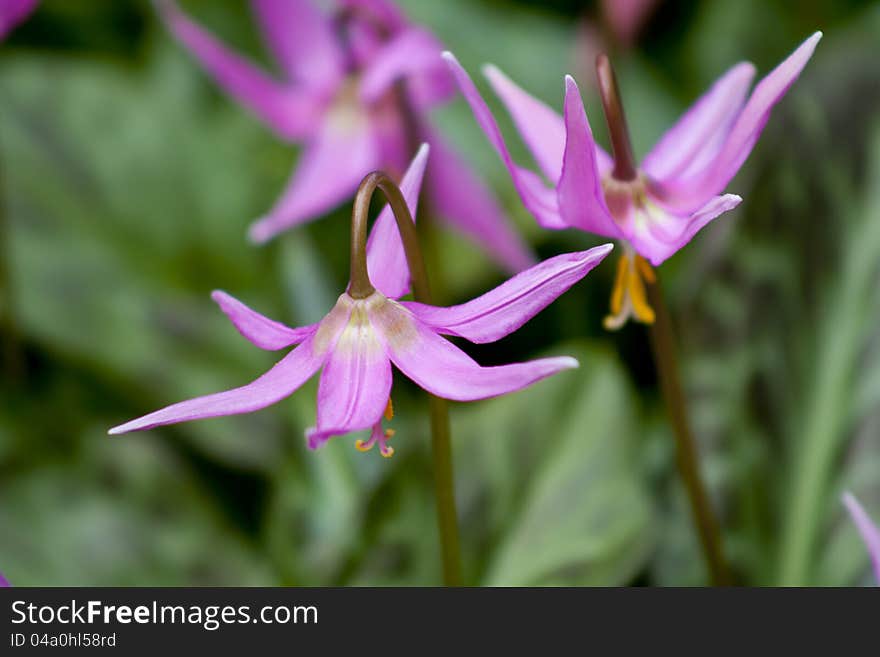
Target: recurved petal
column 291, row 113
column 413, row 51
column 462, row 200
column 303, row 40
column 286, row 376
column 536, row 196
column 355, row 383
column 697, row 136
column 656, row 233
column 746, row 130
column 510, row 305
column 328, row 172
column 869, row 531
column 260, row 330
column 581, row 198
column 386, row 259
column 443, row 369
column 541, row 128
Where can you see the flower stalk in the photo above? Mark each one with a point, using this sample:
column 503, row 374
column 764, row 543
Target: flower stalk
column 686, row 456
column 10, row 350
column 663, row 344
column 360, row 288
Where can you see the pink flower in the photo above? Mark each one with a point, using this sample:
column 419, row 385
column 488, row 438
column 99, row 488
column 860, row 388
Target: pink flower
column 3, row 581
column 663, row 204
column 360, row 338
column 869, row 531
column 339, row 95
column 13, row 12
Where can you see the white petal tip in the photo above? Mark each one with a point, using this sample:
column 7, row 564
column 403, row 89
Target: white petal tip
column 570, row 81
column 448, row 56
column 568, row 363
column 492, row 72
column 258, row 233
column 115, row 431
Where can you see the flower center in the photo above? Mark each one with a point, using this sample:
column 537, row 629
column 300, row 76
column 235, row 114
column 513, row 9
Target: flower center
column 628, row 297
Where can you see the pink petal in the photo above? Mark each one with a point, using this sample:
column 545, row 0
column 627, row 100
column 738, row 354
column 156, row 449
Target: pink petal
column 694, row 141
column 261, row 331
column 386, row 259
column 327, row 174
column 460, row 198
column 303, row 40
column 413, row 51
column 746, row 130
column 387, row 13
column 540, row 126
column 536, row 196
column 443, row 369
column 662, row 233
column 542, row 129
column 4, row 583
column 510, row 305
column 869, row 531
column 581, row 198
column 13, row 12
column 286, row 376
column 355, row 384
column 289, row 112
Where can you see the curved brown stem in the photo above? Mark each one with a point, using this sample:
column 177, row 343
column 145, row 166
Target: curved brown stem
column 360, row 287
column 687, row 460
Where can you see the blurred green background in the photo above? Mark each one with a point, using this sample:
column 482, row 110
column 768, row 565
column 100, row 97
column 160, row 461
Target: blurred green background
column 128, row 181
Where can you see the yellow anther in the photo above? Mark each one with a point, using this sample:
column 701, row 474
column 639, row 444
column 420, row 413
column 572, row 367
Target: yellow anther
column 389, row 410
column 387, row 451
column 645, row 270
column 362, row 446
column 628, row 297
column 620, row 284
column 643, row 312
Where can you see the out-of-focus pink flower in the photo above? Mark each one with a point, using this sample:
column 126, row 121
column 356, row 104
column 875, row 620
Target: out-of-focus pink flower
column 13, row 12
column 626, row 17
column 3, row 581
column 360, row 338
column 869, row 531
column 354, row 87
column 675, row 192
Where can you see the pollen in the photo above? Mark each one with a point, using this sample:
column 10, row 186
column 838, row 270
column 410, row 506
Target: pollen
column 628, row 297
column 389, row 410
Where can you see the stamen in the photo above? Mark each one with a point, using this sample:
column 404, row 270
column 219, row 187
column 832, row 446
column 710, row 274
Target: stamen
column 628, row 297
column 363, row 446
column 384, row 448
column 389, row 410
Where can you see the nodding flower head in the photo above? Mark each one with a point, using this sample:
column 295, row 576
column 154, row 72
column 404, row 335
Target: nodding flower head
column 655, row 208
column 369, row 329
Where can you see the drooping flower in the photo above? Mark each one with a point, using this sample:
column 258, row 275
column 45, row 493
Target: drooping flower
column 354, row 88
column 869, row 531
column 13, row 12
column 654, row 209
column 360, row 338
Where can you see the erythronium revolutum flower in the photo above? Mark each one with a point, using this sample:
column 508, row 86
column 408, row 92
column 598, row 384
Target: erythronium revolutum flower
column 654, row 209
column 355, row 88
column 365, row 332
column 869, row 531
column 13, row 12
